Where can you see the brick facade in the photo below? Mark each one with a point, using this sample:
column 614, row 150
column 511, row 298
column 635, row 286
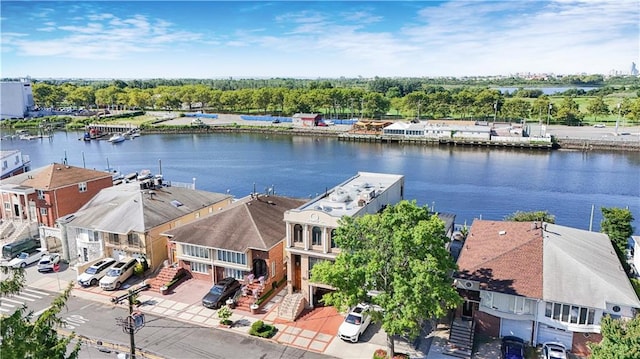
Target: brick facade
column 487, row 324
column 580, row 341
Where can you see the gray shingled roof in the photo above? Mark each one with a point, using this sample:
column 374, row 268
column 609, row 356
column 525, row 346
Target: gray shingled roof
column 581, row 267
column 248, row 223
column 126, row 208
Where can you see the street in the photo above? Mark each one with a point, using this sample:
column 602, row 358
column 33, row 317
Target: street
column 160, row 337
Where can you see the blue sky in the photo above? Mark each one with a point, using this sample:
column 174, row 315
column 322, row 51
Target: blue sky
column 304, row 39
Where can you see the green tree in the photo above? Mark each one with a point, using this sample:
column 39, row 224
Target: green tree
column 400, row 253
column 616, row 223
column 568, row 112
column 620, row 339
column 519, row 216
column 26, row 337
column 597, row 107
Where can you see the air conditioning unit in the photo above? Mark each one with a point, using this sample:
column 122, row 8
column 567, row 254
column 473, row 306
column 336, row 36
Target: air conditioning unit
column 468, row 284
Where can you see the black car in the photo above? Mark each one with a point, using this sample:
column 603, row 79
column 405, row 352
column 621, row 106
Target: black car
column 512, row 348
column 219, row 293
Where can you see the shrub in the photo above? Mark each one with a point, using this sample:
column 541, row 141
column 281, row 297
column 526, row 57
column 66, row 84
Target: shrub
column 224, row 314
column 380, row 354
column 262, row 330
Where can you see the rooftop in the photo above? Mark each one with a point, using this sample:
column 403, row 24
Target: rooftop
column 346, row 198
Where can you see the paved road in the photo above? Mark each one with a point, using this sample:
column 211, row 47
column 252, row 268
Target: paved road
column 173, row 339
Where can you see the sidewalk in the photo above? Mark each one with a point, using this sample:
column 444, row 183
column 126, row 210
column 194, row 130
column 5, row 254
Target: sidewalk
column 315, row 330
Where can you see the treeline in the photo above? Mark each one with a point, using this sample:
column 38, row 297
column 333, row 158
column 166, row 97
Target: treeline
column 378, row 98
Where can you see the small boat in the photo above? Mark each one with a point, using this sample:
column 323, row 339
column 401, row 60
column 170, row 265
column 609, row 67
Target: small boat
column 87, row 136
column 116, row 138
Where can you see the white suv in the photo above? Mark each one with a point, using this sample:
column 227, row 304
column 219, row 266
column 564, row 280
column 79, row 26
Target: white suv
column 118, row 274
column 95, row 272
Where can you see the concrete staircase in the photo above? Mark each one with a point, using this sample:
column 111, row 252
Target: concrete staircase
column 165, row 276
column 291, row 306
column 461, row 339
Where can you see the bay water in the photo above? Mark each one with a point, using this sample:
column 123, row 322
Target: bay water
column 470, row 182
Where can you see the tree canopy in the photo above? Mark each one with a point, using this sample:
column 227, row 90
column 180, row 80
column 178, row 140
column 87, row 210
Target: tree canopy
column 620, row 339
column 400, row 254
column 616, row 223
column 26, row 337
column 519, row 216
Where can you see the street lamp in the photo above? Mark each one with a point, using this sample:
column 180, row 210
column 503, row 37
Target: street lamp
column 618, row 119
column 549, row 113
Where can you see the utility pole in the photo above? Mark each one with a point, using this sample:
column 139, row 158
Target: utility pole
column 135, row 321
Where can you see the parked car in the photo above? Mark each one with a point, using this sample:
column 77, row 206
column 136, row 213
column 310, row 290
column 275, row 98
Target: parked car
column 553, row 350
column 27, row 258
column 220, row 292
column 275, row 121
column 48, row 262
column 512, row 348
column 95, row 272
column 599, row 125
column 355, row 323
column 118, row 274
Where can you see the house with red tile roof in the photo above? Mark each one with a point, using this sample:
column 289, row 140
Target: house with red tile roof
column 541, row 282
column 35, row 200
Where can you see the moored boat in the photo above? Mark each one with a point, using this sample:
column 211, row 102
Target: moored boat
column 116, row 138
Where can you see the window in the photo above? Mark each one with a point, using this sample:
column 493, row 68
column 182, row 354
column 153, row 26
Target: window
column 40, row 194
column 316, row 236
column 133, row 239
column 297, row 233
column 195, row 251
column 231, row 257
column 199, row 267
column 235, row 273
column 114, row 238
column 333, row 242
column 82, row 186
column 570, row 313
column 273, row 269
column 312, row 262
column 7, row 207
column 43, row 211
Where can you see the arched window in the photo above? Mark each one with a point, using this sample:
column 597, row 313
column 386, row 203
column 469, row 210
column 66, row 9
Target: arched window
column 316, row 236
column 333, row 242
column 297, row 233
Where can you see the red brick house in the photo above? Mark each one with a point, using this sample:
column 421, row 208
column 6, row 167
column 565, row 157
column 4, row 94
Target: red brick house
column 40, row 197
column 244, row 239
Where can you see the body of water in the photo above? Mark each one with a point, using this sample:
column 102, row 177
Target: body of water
column 469, row 182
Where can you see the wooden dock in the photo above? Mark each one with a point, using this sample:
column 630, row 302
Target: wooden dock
column 355, row 137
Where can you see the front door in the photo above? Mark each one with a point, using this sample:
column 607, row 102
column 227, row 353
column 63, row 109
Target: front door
column 297, row 281
column 467, row 310
column 260, row 268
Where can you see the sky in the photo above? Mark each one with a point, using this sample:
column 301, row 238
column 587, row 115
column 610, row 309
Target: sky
column 316, row 39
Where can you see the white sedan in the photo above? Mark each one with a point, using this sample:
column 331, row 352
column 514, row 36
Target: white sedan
column 554, row 351
column 26, row 258
column 355, row 323
column 49, row 262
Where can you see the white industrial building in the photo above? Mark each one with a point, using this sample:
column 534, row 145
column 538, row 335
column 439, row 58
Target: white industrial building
column 16, row 99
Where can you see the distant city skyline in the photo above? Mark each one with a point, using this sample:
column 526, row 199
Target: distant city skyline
column 322, row 39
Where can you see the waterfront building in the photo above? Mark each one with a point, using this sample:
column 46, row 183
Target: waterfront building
column 245, row 241
column 310, row 228
column 541, row 282
column 16, row 99
column 127, row 220
column 33, row 201
column 14, row 163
